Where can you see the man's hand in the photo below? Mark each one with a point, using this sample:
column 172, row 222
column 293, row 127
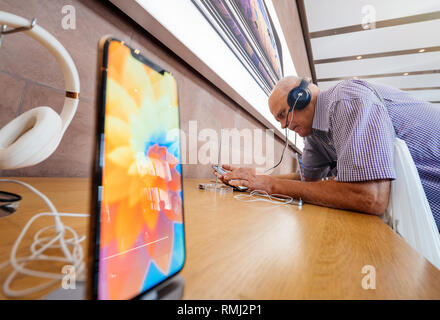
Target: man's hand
column 367, row 196
column 248, row 178
column 226, row 167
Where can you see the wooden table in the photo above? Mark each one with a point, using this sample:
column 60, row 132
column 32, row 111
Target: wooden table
column 238, row 250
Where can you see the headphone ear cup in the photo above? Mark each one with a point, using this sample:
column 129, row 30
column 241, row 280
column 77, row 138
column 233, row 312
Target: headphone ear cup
column 304, row 100
column 30, row 138
column 301, row 96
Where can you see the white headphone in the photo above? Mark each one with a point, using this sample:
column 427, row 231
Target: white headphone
column 34, row 135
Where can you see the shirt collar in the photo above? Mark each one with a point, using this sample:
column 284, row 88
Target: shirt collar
column 321, row 116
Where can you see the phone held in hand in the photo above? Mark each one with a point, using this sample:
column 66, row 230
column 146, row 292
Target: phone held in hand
column 222, row 171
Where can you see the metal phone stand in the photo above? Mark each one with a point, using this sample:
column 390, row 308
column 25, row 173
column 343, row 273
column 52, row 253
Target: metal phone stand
column 171, row 289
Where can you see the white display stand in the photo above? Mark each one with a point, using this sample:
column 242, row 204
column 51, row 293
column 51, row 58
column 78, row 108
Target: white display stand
column 172, row 289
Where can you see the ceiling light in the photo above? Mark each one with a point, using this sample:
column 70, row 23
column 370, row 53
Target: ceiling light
column 405, row 74
column 359, row 57
column 422, row 50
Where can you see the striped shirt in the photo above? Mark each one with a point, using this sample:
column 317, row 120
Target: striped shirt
column 353, row 136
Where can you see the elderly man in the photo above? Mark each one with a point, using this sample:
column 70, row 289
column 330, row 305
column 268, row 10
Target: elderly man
column 349, row 134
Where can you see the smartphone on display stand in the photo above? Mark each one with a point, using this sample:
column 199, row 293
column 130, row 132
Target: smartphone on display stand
column 137, row 237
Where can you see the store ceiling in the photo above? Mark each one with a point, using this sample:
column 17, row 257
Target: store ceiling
column 402, row 49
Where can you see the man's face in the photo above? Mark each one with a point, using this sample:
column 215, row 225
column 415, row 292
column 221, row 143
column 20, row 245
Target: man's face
column 300, row 120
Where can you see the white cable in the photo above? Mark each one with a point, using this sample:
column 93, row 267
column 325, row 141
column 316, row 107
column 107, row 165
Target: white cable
column 261, row 195
column 41, row 244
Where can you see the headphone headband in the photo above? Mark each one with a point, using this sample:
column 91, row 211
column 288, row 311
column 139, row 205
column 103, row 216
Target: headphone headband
column 304, row 83
column 64, row 60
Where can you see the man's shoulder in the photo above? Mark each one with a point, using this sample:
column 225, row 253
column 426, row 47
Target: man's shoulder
column 350, row 89
column 353, row 96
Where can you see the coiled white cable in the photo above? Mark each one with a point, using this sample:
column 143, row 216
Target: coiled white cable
column 261, row 195
column 73, row 257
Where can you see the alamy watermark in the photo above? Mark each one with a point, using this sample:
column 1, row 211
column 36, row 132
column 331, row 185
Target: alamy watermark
column 68, row 22
column 369, row 280
column 238, row 147
column 368, row 17
column 69, row 280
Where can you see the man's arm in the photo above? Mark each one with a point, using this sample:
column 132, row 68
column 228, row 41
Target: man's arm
column 289, row 176
column 368, row 196
column 292, row 176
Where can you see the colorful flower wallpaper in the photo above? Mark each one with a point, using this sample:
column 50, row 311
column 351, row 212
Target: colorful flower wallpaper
column 141, row 229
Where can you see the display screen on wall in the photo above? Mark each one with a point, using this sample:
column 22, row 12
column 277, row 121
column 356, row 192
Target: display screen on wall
column 247, row 29
column 237, row 45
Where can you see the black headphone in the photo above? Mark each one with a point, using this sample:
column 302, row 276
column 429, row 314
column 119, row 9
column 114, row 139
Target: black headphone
column 299, row 97
column 8, row 203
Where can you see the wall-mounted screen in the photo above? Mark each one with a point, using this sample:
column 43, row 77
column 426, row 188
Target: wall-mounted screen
column 238, row 45
column 247, row 29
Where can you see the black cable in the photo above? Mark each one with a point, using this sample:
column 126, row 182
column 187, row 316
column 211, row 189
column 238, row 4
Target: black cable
column 8, row 203
column 287, row 135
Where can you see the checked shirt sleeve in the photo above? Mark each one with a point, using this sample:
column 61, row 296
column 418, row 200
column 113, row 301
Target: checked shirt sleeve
column 363, row 137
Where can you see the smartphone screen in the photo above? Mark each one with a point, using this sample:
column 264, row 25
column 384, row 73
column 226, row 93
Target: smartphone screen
column 138, row 227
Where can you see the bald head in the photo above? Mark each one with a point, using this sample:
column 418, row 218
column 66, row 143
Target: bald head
column 302, row 120
column 282, row 89
column 288, row 82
